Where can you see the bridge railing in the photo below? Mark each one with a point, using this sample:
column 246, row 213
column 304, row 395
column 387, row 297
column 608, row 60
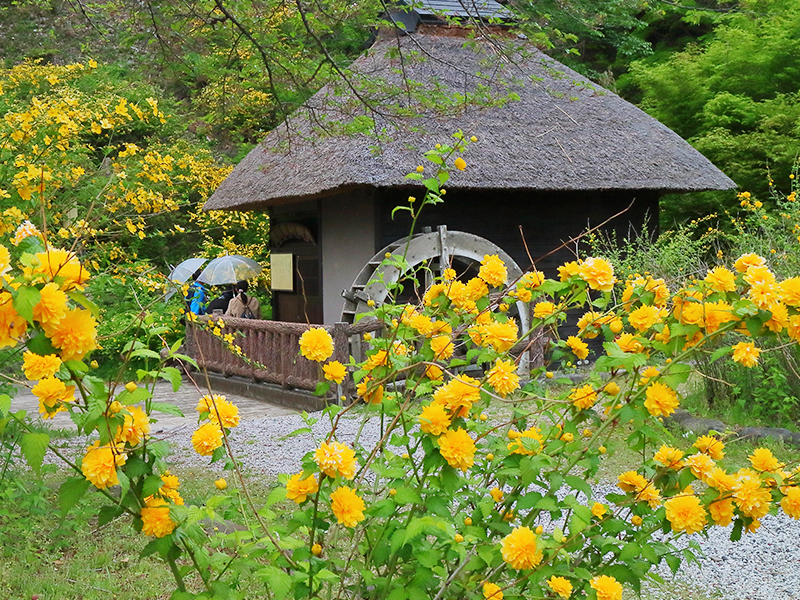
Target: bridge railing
column 272, row 347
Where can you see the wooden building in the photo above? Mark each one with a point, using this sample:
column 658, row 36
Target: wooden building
column 556, row 153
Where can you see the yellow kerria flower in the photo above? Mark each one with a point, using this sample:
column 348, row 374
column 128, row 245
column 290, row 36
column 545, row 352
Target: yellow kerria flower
column 56, row 263
column 52, row 393
column 503, row 377
column 721, row 279
column 669, row 457
column 335, row 460
column 100, row 463
column 493, row 270
column 316, row 344
column 607, row 587
column 500, row 336
column 578, row 347
column 136, row 427
column 347, row 507
column 155, row 518
column 459, row 394
column 298, row 489
column 598, row 273
column 560, row 585
column 496, row 493
column 442, row 347
column 710, row 445
column 631, row 481
column 52, row 305
column 334, row 371
column 519, row 549
column 789, row 290
column 721, row 511
column 75, row 334
column 434, row 419
column 369, row 391
column 750, row 495
column 12, row 326
column 460, row 164
column 745, row 261
column 583, row 397
column 598, row 510
column 36, row 366
column 457, row 448
column 686, row 513
column 791, row 502
column 661, row 400
column 644, row 317
column 746, row 354
column 764, row 461
column 542, row 310
column 491, row 591
column 519, row 445
column 206, row 439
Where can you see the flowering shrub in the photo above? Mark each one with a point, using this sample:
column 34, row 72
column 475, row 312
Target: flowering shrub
column 448, row 503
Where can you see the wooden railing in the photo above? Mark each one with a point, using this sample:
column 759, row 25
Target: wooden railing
column 273, row 349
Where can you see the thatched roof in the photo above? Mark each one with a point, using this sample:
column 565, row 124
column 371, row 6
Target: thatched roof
column 564, row 132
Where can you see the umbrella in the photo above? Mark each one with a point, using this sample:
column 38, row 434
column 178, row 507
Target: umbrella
column 229, row 269
column 186, row 269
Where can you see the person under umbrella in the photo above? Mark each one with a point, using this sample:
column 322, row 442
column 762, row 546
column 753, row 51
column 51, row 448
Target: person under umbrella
column 242, row 305
column 221, row 303
column 196, row 296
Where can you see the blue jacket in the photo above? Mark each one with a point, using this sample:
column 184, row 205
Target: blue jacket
column 196, row 299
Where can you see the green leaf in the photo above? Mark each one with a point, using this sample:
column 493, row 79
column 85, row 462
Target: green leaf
column 5, row 405
column 151, row 485
column 280, row 583
column 172, row 375
column 161, row 546
column 166, row 408
column 34, row 446
column 674, row 563
column 140, row 394
column 407, row 495
column 398, row 593
column 25, row 298
column 70, row 492
column 136, row 467
column 107, row 514
column 85, row 303
column 40, row 344
column 145, row 353
column 629, row 551
column 719, row 353
column 576, row 483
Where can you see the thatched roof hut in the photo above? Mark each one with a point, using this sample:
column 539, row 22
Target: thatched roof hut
column 555, row 151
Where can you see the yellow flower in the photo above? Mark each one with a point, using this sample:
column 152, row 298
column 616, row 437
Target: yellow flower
column 661, row 400
column 631, row 481
column 583, row 397
column 644, row 317
column 155, row 518
column 745, row 261
column 298, row 489
column 100, row 464
column 790, row 291
column 458, row 394
column 503, row 377
column 669, row 457
column 710, row 445
column 598, row 273
column 52, row 305
column 791, row 503
column 721, row 511
column 336, row 459
column 763, row 461
column 542, row 310
column 628, row 342
column 560, row 585
column 519, row 446
column 58, row 264
column 685, row 513
column 206, row 439
column 493, row 271
column 492, row 591
column 598, row 510
column 347, row 506
column 316, row 344
column 612, row 388
column 519, row 549
column 460, row 163
column 457, row 448
column 721, row 280
column 226, row 413
column 578, row 347
column 52, row 393
column 75, row 334
column 136, row 427
column 372, row 394
column 718, row 479
column 607, row 587
column 496, row 493
column 746, row 354
column 169, row 489
column 434, row 419
column 334, row 371
column 749, row 494
column 442, row 347
column 316, row 549
column 500, row 336
column 434, row 373
column 39, row 367
column 12, row 326
column 378, row 359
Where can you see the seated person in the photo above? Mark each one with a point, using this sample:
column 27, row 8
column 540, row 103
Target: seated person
column 242, row 305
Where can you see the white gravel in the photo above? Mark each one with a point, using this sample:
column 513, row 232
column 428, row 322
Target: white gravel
column 764, row 565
